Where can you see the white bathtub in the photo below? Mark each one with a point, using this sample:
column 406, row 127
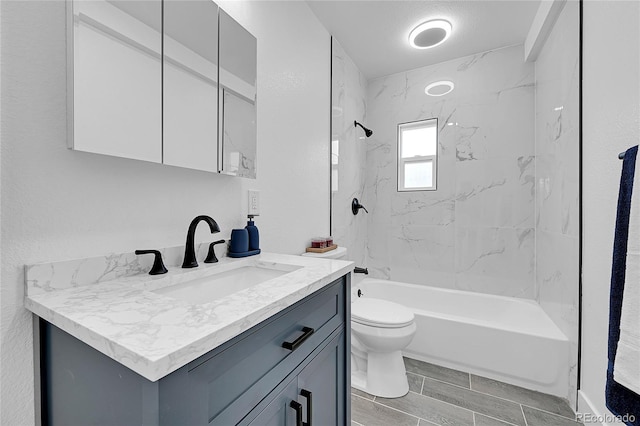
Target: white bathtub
column 503, row 338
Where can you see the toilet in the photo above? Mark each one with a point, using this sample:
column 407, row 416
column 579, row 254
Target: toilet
column 380, row 330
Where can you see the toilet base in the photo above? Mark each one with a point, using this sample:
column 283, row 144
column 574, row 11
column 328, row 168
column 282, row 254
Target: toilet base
column 385, row 375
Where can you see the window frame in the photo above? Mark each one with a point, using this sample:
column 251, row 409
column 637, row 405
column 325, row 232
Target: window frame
column 401, row 162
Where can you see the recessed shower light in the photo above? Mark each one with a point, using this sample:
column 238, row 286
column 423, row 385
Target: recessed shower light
column 439, row 88
column 430, row 34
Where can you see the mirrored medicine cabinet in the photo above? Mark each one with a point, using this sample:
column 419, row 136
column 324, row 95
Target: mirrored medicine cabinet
column 165, row 81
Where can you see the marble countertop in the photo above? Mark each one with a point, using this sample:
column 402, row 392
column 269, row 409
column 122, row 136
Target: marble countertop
column 153, row 334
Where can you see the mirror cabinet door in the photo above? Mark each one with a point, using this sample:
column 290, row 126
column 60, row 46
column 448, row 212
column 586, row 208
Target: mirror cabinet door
column 190, row 84
column 238, row 72
column 115, row 78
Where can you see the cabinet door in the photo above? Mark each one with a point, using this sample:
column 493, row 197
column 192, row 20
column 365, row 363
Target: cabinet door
column 238, row 96
column 280, row 411
column 190, row 84
column 115, row 78
column 321, row 386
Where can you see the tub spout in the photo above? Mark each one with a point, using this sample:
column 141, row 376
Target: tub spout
column 359, row 270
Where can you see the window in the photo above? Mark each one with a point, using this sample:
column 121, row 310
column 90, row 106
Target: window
column 418, row 155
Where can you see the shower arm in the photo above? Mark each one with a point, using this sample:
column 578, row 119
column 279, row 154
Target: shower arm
column 367, row 132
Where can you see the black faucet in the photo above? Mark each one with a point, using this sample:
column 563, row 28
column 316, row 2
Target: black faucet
column 190, row 249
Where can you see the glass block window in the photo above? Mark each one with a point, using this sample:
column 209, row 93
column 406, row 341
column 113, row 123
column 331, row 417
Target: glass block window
column 418, row 155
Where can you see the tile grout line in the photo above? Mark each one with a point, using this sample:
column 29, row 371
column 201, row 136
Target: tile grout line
column 523, row 416
column 440, row 380
column 471, row 390
column 352, row 393
column 446, row 383
column 426, row 396
column 520, row 403
column 481, row 393
column 474, row 418
column 391, row 408
column 549, row 412
column 497, row 397
column 494, row 418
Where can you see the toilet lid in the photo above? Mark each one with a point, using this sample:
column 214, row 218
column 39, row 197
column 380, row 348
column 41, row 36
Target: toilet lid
column 380, row 313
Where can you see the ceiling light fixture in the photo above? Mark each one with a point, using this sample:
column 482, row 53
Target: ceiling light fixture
column 439, row 88
column 430, row 34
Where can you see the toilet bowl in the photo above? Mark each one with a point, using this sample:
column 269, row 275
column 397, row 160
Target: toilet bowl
column 380, row 330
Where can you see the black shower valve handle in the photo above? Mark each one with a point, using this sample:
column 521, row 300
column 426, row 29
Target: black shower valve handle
column 158, row 267
column 356, row 206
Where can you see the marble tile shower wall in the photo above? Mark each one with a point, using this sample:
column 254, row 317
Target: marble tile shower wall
column 476, row 232
column 348, row 92
column 557, row 174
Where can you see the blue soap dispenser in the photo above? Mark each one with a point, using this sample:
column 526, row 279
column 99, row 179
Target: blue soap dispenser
column 254, row 236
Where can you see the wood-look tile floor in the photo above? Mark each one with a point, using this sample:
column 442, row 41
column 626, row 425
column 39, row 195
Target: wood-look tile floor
column 444, row 397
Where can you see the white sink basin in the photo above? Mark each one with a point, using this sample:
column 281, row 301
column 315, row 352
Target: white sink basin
column 219, row 285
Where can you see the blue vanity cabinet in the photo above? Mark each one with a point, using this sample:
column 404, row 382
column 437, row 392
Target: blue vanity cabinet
column 299, row 355
column 317, row 391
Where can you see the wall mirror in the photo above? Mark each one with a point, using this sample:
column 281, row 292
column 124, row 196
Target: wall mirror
column 171, row 82
column 114, row 78
column 190, row 84
column 238, row 65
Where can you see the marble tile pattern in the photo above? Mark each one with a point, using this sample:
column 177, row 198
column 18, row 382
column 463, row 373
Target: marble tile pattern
column 153, row 334
column 476, row 232
column 45, row 277
column 349, row 151
column 557, row 178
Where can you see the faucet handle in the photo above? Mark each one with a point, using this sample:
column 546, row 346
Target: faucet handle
column 158, row 267
column 356, row 206
column 211, row 256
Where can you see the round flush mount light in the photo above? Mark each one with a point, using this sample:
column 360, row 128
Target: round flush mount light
column 430, row 34
column 439, row 88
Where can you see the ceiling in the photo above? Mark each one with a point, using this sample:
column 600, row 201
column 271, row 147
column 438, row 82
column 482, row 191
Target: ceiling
column 374, row 33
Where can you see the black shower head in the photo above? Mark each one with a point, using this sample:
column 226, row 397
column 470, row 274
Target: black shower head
column 367, row 132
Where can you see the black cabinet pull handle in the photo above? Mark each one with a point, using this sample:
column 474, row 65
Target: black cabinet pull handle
column 306, row 333
column 308, row 395
column 298, row 407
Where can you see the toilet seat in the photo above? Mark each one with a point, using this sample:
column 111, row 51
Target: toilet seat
column 380, row 313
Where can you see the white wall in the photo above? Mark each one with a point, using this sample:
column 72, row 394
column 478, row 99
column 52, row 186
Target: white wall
column 59, row 204
column 611, row 114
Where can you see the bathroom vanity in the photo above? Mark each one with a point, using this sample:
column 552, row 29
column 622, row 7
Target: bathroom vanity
column 137, row 350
